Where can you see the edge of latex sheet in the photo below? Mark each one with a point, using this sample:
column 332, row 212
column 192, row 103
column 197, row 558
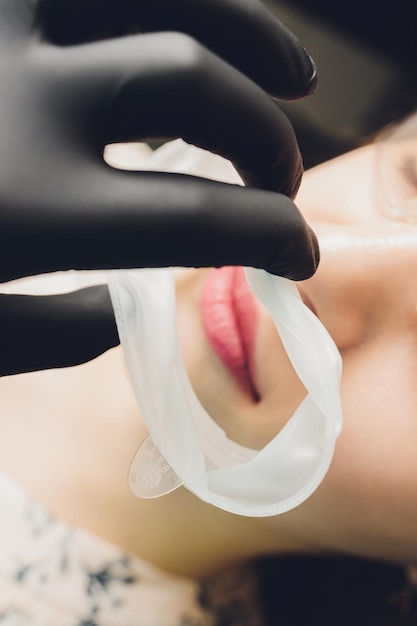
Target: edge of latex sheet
column 253, row 483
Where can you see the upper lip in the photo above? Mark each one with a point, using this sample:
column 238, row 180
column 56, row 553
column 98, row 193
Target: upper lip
column 230, row 313
column 305, row 296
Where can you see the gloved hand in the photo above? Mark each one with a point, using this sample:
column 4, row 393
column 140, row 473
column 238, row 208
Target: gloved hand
column 76, row 75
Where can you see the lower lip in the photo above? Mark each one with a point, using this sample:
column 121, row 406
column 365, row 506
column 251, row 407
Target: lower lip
column 230, row 321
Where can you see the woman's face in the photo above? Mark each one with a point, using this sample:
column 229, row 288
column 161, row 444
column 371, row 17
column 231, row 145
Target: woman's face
column 365, row 293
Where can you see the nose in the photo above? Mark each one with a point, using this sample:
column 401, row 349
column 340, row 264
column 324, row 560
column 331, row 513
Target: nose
column 366, row 282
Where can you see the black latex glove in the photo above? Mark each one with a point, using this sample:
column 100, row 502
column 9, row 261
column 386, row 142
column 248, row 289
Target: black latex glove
column 76, row 75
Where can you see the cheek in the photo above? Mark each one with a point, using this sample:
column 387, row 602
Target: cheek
column 368, row 502
column 377, row 446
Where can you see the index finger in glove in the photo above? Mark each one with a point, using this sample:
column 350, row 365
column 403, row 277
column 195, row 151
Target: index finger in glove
column 244, row 32
column 167, row 85
column 120, row 219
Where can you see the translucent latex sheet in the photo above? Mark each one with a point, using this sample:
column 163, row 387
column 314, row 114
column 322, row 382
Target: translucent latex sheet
column 185, row 445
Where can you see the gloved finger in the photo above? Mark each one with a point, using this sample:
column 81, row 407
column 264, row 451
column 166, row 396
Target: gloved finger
column 190, row 93
column 40, row 332
column 243, row 32
column 192, row 222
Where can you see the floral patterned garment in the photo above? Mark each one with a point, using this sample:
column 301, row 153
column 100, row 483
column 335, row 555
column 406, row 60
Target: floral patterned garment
column 52, row 574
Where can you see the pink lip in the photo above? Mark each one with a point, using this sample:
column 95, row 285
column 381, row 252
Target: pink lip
column 230, row 320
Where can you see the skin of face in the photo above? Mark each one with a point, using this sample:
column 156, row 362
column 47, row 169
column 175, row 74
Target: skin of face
column 365, row 293
column 80, row 427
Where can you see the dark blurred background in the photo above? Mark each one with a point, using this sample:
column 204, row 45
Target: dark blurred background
column 366, row 54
